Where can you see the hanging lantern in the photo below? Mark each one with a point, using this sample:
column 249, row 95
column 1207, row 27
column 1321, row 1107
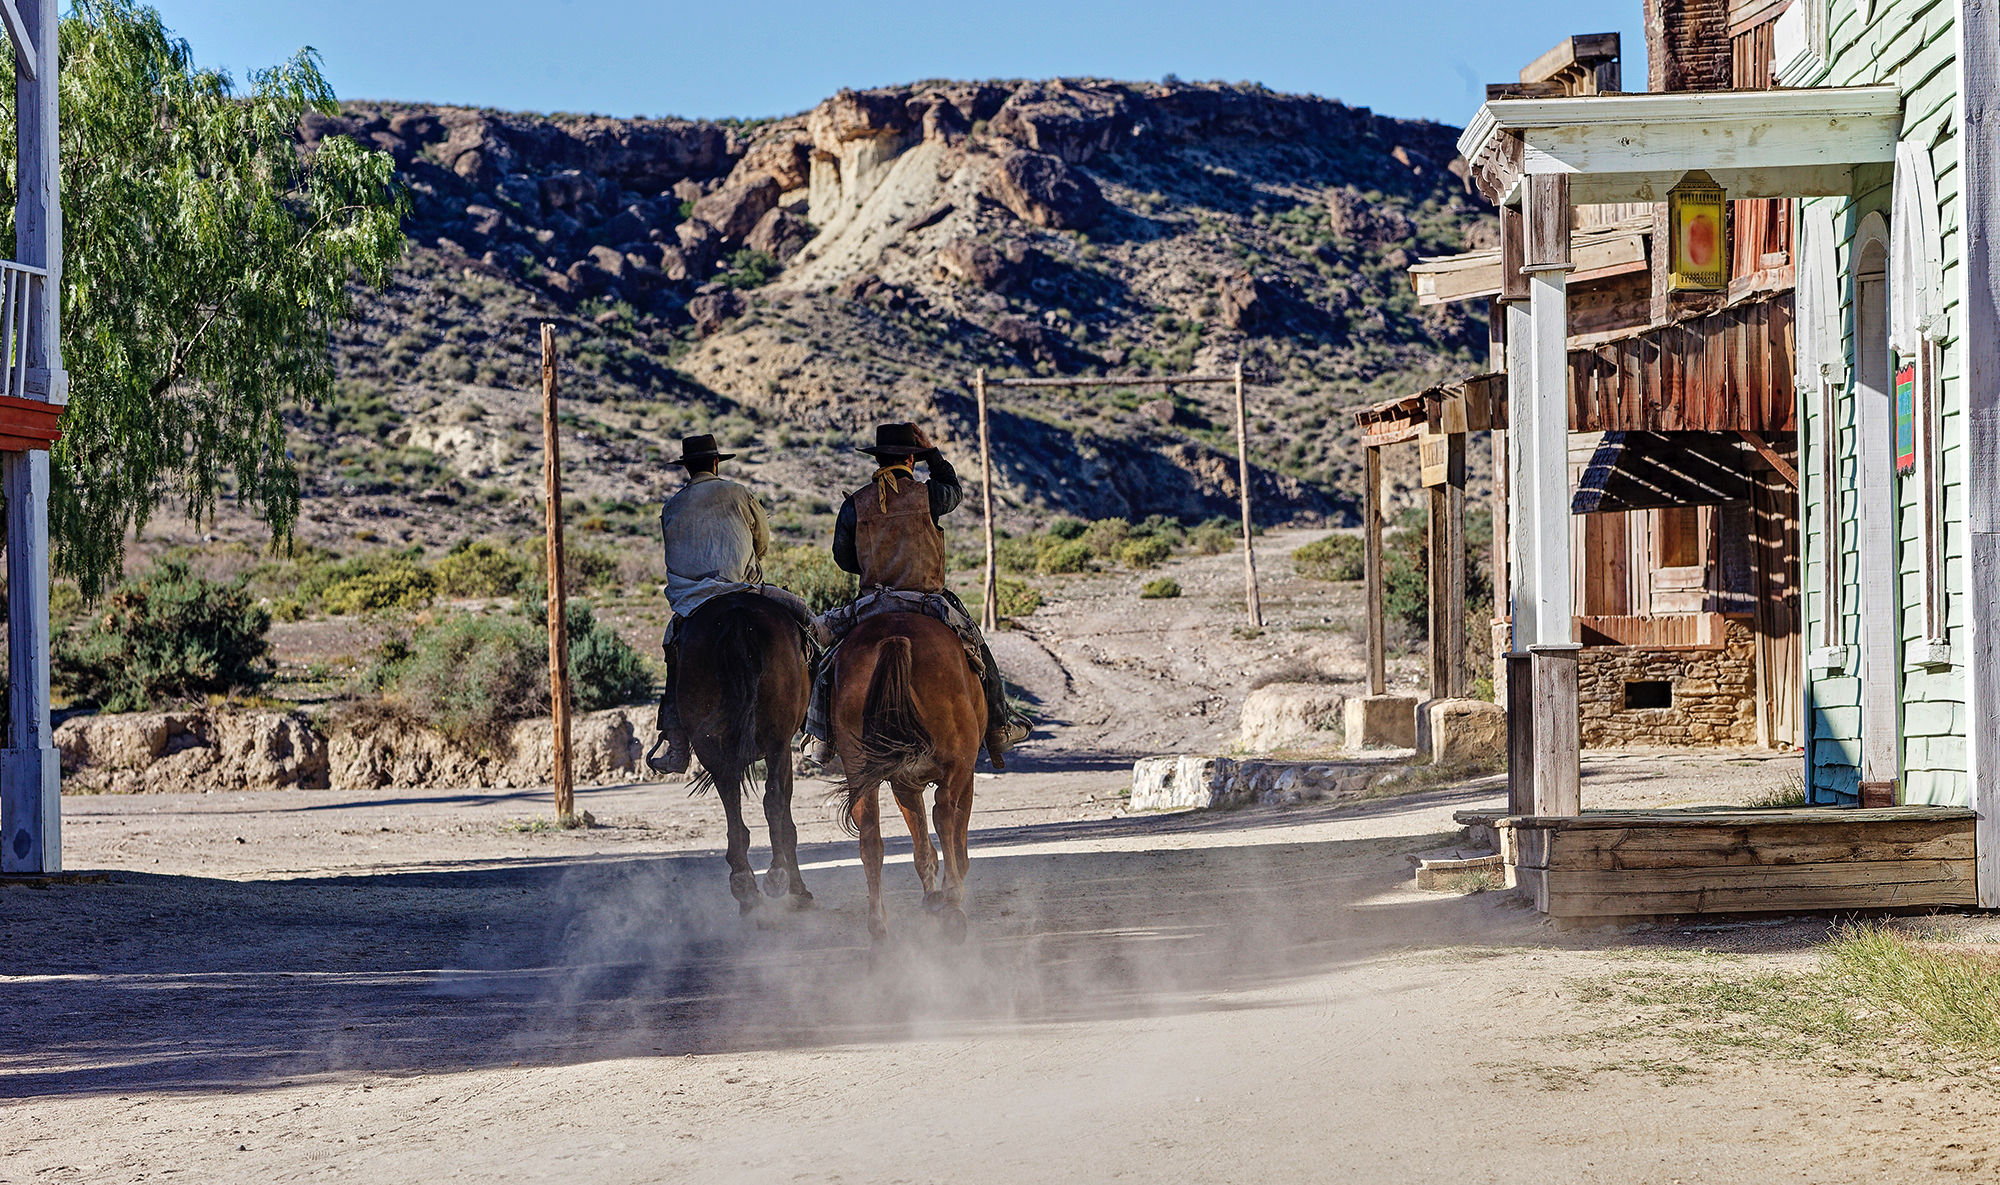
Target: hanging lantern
column 1695, row 230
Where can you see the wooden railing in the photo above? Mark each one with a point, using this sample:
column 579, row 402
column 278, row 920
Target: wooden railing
column 28, row 420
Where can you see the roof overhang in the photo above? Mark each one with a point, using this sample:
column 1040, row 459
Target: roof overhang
column 1633, row 148
column 1599, row 253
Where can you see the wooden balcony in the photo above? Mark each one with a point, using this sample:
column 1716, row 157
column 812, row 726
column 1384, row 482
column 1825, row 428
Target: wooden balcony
column 28, row 420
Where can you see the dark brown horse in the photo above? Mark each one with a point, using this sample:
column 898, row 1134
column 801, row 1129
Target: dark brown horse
column 908, row 710
column 743, row 692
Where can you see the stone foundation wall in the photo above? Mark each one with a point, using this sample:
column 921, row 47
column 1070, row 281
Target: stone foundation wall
column 1714, row 695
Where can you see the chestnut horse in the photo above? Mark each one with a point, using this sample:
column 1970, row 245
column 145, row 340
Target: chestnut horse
column 908, row 710
column 743, row 692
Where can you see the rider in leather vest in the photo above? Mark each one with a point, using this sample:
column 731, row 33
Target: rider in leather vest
column 888, row 535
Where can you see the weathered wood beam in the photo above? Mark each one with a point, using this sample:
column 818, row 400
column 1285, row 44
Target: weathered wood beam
column 1979, row 213
column 1371, row 535
column 26, row 56
column 1778, row 462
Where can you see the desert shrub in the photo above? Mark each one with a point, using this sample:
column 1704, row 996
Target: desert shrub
column 1068, row 528
column 810, row 572
column 169, row 635
column 1144, row 553
column 1073, row 556
column 1160, row 588
column 604, row 669
column 469, row 677
column 479, row 570
column 1015, row 555
column 1018, row 598
column 1213, row 537
column 1336, row 557
column 397, row 586
column 584, row 567
column 1107, row 535
column 1159, row 526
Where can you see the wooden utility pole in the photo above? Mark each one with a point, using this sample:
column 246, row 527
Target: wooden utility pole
column 1255, row 609
column 565, row 786
column 989, row 607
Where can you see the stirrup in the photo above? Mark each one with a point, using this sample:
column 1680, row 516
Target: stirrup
column 675, row 762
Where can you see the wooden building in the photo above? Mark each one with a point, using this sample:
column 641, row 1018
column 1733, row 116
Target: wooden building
column 1878, row 152
column 1684, row 561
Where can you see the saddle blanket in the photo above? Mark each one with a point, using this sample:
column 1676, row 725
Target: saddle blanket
column 841, row 621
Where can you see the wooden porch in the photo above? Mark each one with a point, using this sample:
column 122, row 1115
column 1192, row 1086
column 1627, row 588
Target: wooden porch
column 1691, row 862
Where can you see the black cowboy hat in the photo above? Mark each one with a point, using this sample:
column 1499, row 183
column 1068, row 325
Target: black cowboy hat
column 895, row 440
column 699, row 448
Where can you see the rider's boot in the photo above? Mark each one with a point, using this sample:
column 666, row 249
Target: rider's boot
column 1003, row 730
column 675, row 760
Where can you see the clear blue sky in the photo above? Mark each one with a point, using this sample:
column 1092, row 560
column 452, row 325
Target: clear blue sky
column 1420, row 58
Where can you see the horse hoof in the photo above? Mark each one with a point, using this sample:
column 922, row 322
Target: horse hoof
column 775, row 882
column 743, row 886
column 954, row 926
column 934, row 900
column 799, row 899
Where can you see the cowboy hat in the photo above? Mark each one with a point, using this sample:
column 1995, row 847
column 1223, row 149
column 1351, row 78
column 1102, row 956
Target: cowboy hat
column 699, row 448
column 896, row 440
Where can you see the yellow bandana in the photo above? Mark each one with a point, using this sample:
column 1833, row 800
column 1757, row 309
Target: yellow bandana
column 885, row 482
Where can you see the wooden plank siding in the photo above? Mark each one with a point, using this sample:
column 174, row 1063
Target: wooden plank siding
column 1728, row 371
column 1912, row 44
column 1636, row 863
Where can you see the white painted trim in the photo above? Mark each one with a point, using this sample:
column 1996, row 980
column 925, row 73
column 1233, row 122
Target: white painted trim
column 1810, row 109
column 1916, row 254
column 1874, row 444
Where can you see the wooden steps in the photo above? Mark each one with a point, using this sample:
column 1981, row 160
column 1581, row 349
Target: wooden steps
column 1648, row 863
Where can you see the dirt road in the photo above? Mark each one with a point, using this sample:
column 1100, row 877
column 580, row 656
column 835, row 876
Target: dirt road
column 320, row 986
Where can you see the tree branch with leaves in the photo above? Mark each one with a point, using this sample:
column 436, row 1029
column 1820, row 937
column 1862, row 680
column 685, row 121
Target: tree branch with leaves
column 207, row 259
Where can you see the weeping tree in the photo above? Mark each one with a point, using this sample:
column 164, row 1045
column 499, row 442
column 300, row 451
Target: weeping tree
column 206, row 260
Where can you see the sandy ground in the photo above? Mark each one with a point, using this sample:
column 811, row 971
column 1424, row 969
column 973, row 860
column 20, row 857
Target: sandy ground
column 396, row 987
column 435, row 986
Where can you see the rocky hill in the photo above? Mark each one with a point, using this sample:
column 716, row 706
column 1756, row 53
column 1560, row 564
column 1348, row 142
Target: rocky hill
column 787, row 284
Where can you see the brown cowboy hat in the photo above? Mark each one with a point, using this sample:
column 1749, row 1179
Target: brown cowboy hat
column 895, row 440
column 699, row 448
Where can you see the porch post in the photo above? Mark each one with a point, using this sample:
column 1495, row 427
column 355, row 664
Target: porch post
column 1547, row 216
column 1979, row 211
column 30, row 771
column 1519, row 593
column 1371, row 536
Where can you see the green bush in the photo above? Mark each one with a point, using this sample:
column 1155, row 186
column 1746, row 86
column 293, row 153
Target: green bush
column 479, row 570
column 584, row 567
column 1016, row 555
column 1213, row 537
column 1018, row 598
column 1107, row 535
column 398, row 586
column 1157, row 589
column 604, row 670
column 469, row 677
column 472, row 677
column 1073, row 556
column 1336, row 557
column 1144, row 553
column 1068, row 528
column 810, row 572
column 169, row 635
column 1159, row 526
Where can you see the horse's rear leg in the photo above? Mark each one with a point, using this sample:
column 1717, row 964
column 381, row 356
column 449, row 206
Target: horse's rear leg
column 784, row 875
column 742, row 881
column 954, row 816
column 867, row 815
column 922, row 854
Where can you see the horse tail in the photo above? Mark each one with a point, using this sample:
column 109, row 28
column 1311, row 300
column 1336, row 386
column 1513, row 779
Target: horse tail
column 892, row 733
column 739, row 674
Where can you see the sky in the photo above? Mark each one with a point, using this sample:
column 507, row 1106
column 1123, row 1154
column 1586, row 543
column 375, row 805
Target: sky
column 1413, row 58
